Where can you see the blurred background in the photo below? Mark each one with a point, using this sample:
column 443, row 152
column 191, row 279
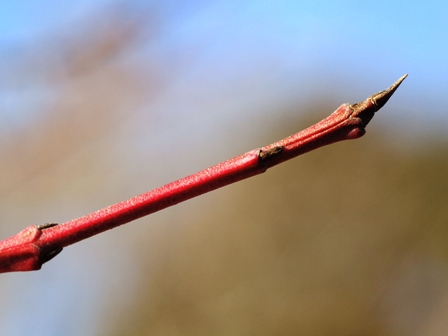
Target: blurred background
column 103, row 100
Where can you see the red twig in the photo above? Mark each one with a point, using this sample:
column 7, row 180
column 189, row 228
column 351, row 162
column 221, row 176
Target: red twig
column 35, row 245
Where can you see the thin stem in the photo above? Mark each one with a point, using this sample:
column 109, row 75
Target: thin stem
column 35, row 245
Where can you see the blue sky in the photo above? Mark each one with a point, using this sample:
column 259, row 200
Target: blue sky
column 373, row 42
column 352, row 41
column 22, row 20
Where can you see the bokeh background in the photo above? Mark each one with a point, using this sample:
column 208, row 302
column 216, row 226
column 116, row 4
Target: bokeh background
column 103, row 100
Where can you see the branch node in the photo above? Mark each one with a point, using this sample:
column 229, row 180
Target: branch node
column 46, row 226
column 268, row 154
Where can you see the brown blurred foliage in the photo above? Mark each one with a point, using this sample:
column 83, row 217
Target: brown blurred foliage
column 346, row 240
column 94, row 91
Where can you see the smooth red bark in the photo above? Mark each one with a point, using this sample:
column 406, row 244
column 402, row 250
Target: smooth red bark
column 35, row 245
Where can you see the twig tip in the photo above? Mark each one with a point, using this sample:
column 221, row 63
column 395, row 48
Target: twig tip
column 381, row 98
